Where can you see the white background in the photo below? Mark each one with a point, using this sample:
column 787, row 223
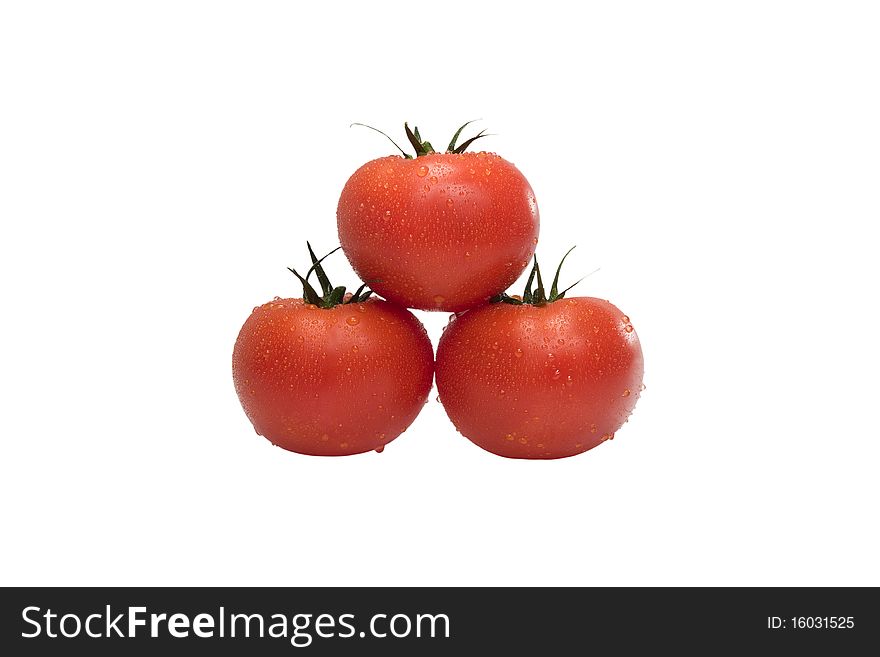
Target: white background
column 162, row 163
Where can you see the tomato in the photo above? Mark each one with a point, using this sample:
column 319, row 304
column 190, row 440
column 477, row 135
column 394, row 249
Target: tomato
column 342, row 375
column 540, row 378
column 441, row 231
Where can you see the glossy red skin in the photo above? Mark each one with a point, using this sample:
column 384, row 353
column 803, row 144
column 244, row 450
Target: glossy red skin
column 540, row 382
column 332, row 382
column 438, row 232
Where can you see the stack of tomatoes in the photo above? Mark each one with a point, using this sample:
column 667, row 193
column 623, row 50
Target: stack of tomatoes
column 536, row 376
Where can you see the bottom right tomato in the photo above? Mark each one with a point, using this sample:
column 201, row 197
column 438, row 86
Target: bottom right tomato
column 540, row 376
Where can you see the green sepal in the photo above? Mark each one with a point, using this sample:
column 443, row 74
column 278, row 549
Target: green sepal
column 402, row 152
column 463, row 147
column 309, row 294
column 336, row 296
column 424, row 147
column 553, row 287
column 326, row 287
column 332, row 296
column 355, row 298
column 537, row 296
column 505, row 298
column 527, row 295
column 451, row 147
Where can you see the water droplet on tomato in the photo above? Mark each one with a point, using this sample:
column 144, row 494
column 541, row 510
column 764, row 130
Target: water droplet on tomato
column 539, row 445
column 380, row 449
column 352, row 321
column 642, row 387
column 427, row 188
column 572, row 302
column 450, row 202
column 626, row 393
column 569, row 381
column 439, row 299
column 438, row 399
column 488, row 172
column 325, row 438
column 593, row 428
column 607, row 436
column 256, row 308
column 625, row 319
column 509, row 437
column 299, row 338
column 523, row 441
column 354, row 348
column 518, row 352
column 362, row 307
column 578, row 445
column 422, row 171
column 628, row 328
column 433, row 180
column 556, row 374
column 387, row 214
column 535, row 240
column 502, row 392
column 343, row 445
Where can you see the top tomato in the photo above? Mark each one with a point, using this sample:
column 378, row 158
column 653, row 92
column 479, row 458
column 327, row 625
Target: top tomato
column 441, row 231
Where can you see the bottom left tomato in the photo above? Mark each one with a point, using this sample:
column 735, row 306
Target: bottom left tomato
column 331, row 374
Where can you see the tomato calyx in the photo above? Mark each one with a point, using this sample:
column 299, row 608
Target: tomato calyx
column 538, row 296
column 423, row 146
column 330, row 296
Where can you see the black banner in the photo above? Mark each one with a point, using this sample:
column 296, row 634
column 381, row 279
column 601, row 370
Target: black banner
column 435, row 621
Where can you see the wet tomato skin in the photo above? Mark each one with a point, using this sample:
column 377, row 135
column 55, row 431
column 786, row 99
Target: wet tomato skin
column 332, row 382
column 540, row 382
column 443, row 231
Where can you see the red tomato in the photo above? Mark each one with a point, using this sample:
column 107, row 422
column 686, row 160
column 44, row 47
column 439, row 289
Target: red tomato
column 332, row 381
column 442, row 231
column 540, row 381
